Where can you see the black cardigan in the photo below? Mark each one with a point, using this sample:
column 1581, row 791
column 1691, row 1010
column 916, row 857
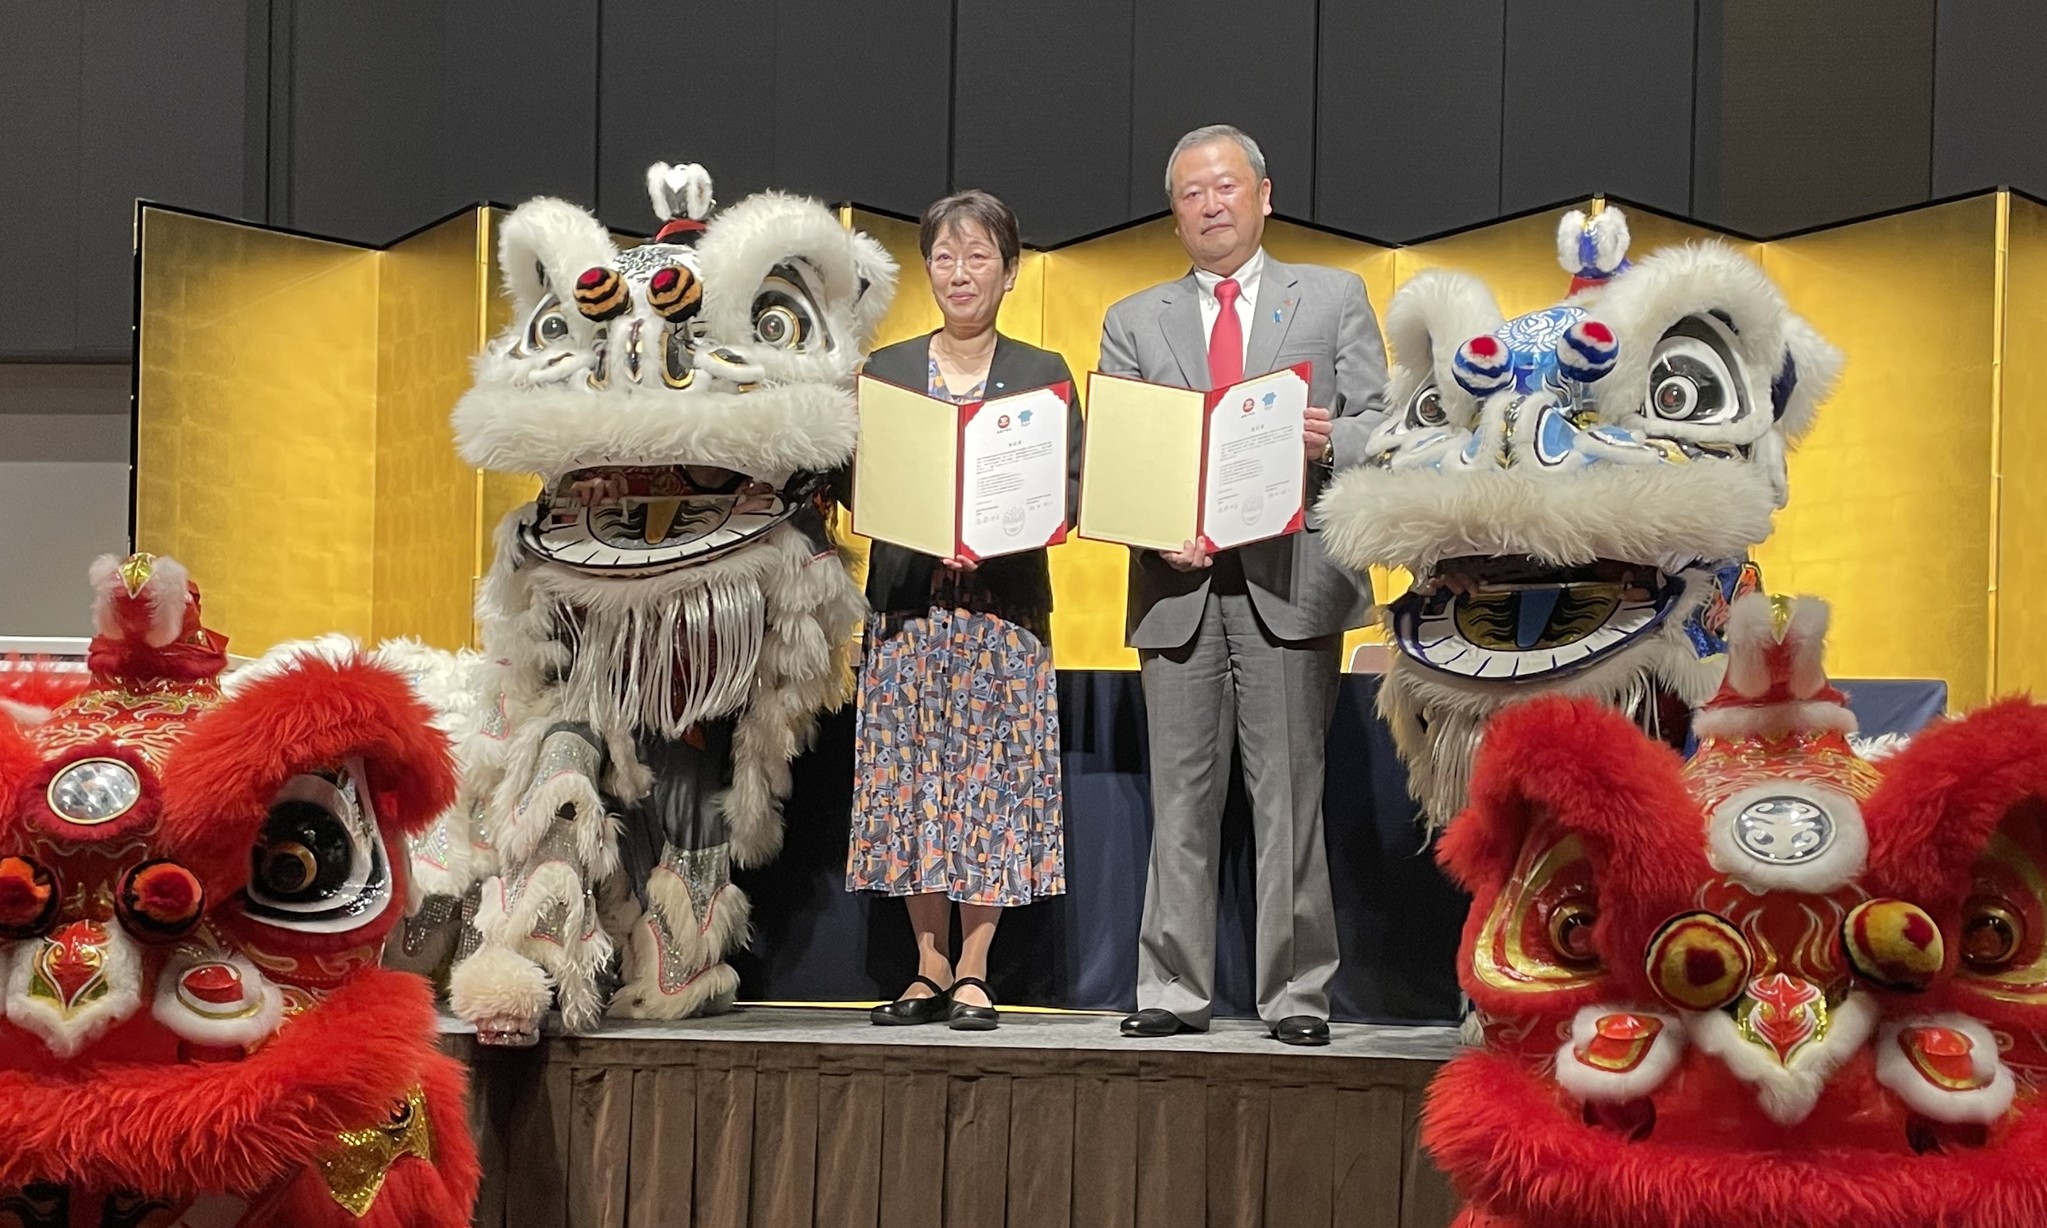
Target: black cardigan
column 898, row 578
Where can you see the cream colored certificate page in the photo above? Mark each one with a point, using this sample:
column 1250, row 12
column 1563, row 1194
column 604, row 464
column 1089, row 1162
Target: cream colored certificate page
column 1256, row 465
column 1013, row 474
column 1140, row 475
column 905, row 472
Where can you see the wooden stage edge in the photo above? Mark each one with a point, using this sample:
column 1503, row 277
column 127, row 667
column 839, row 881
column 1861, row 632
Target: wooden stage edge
column 781, row 1117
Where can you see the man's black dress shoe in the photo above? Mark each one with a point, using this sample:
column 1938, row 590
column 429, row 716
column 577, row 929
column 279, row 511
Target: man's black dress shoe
column 904, row 1012
column 1154, row 1022
column 966, row 1017
column 1302, row 1030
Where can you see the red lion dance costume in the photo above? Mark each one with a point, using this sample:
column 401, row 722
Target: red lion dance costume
column 194, row 886
column 1776, row 985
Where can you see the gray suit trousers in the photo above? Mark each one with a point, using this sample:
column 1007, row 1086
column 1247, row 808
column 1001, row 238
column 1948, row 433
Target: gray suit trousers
column 1234, row 685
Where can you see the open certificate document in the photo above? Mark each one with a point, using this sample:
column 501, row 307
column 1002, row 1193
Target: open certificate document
column 975, row 481
column 1165, row 466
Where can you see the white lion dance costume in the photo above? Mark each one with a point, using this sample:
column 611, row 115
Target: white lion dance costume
column 664, row 622
column 1576, row 490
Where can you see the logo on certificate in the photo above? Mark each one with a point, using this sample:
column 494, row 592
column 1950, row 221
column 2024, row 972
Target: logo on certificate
column 1002, row 423
column 1253, row 504
column 1012, row 521
column 1023, row 417
column 1250, row 405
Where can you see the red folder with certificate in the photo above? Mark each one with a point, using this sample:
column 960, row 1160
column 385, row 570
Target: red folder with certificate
column 974, row 480
column 1165, row 466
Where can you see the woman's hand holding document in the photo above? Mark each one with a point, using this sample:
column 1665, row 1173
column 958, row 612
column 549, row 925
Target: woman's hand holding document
column 1167, row 466
column 970, row 481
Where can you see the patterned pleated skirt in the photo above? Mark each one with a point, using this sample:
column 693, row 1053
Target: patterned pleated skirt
column 957, row 783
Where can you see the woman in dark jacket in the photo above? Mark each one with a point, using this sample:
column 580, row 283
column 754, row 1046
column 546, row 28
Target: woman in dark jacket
column 957, row 788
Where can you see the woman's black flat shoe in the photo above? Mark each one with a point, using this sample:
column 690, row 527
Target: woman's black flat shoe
column 965, row 1018
column 907, row 1012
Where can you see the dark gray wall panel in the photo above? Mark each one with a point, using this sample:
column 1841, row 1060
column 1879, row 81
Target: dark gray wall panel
column 405, row 110
column 1409, row 137
column 365, row 111
column 1990, row 98
column 860, row 98
column 1598, row 99
column 39, row 47
column 1269, row 90
column 1826, row 111
column 1042, row 113
column 657, row 104
column 519, row 102
column 1710, row 44
column 163, row 109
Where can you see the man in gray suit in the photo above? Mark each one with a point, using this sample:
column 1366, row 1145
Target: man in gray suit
column 1239, row 648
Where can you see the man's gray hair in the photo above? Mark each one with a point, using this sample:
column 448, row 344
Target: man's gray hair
column 1217, row 132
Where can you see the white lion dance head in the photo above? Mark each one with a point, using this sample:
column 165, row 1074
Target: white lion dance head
column 1575, row 490
column 668, row 616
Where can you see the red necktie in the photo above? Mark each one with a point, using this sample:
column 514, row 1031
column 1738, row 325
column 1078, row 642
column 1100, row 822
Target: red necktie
column 1226, row 340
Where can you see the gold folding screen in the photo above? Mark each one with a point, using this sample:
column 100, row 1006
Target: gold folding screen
column 294, row 449
column 2018, row 589
column 1892, row 495
column 256, row 408
column 293, row 446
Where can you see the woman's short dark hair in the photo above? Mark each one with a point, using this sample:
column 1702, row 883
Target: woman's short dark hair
column 972, row 205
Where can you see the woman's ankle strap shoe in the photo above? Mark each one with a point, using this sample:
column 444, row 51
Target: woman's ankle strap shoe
column 965, row 1018
column 908, row 1012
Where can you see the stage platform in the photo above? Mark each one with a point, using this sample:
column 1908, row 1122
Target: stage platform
column 811, row 1117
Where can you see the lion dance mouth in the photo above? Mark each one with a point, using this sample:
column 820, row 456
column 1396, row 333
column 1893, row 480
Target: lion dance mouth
column 1777, row 983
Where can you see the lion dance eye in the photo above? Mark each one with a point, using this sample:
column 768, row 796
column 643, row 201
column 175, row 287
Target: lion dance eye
column 160, row 901
column 319, row 865
column 28, row 898
column 1570, row 932
column 784, row 315
column 1698, row 962
column 1991, row 935
column 779, row 326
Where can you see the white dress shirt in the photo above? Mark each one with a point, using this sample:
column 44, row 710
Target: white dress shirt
column 1247, row 302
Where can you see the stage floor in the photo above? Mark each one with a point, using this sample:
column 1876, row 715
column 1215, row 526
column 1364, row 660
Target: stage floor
column 1021, row 1029
column 811, row 1117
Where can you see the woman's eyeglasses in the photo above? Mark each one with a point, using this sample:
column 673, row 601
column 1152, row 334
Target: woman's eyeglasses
column 977, row 263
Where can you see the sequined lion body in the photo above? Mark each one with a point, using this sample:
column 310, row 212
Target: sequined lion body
column 1575, row 490
column 1776, row 984
column 663, row 623
column 195, row 880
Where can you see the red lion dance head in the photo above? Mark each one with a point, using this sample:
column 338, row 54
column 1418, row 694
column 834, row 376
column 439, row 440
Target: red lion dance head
column 193, row 891
column 1778, row 984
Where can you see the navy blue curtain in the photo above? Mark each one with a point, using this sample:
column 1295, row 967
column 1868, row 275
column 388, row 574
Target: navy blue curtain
column 1396, row 915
